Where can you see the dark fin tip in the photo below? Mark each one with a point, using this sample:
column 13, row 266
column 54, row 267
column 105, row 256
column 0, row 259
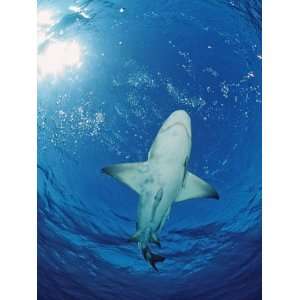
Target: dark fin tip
column 215, row 195
column 155, row 259
column 105, row 170
column 154, row 266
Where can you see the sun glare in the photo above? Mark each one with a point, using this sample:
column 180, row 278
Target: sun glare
column 45, row 18
column 55, row 54
column 57, row 57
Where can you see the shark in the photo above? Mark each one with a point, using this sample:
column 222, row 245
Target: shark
column 162, row 180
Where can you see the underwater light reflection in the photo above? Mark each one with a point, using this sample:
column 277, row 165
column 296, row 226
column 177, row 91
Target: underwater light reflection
column 58, row 56
column 45, row 18
column 55, row 54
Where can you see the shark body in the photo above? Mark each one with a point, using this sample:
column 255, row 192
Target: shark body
column 162, row 180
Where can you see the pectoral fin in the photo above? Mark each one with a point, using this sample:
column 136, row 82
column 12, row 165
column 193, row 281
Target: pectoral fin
column 135, row 237
column 133, row 175
column 195, row 187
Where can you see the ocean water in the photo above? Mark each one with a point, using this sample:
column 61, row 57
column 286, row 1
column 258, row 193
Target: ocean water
column 109, row 74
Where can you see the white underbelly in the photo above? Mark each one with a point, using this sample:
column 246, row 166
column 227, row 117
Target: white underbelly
column 152, row 213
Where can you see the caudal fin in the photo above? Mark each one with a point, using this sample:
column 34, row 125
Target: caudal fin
column 155, row 259
column 152, row 258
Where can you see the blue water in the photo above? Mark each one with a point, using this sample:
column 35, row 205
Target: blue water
column 140, row 61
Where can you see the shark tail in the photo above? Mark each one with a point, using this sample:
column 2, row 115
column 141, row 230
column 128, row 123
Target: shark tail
column 152, row 258
column 143, row 237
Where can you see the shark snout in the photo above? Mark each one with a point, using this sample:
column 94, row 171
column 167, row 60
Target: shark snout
column 179, row 117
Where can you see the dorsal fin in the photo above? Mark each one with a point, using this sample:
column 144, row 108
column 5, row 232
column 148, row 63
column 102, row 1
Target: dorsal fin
column 195, row 187
column 133, row 175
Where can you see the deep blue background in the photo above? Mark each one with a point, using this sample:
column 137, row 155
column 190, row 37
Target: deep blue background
column 138, row 66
